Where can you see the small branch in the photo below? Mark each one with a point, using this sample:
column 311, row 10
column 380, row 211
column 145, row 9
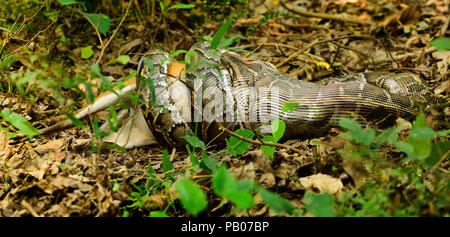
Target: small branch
column 25, row 20
column 445, row 27
column 29, row 208
column 29, row 41
column 386, row 60
column 222, row 128
column 347, row 19
column 95, row 27
column 305, row 25
column 267, row 44
column 295, row 54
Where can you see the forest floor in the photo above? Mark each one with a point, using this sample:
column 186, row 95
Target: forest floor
column 53, row 47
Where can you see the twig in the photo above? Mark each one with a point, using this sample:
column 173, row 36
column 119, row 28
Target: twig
column 29, row 41
column 304, row 25
column 295, row 54
column 445, row 27
column 267, row 44
column 348, row 19
column 7, row 34
column 29, row 208
column 222, row 128
column 385, row 60
column 95, row 27
column 350, row 48
column 114, row 33
column 25, row 20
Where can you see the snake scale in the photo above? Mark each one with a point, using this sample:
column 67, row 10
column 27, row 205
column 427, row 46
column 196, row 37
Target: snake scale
column 242, row 93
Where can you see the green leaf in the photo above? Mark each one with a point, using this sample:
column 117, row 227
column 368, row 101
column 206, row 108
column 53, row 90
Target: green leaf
column 21, row 123
column 220, row 34
column 98, row 133
column 75, row 121
column 422, row 133
column 62, row 39
column 181, row 6
column 278, row 128
column 274, row 201
column 405, row 147
column 150, row 171
column 349, row 124
column 87, row 52
column 320, row 205
column 158, row 214
column 167, row 165
column 438, row 151
column 242, row 199
column 223, row 182
column 113, row 121
column 194, row 141
column 100, row 21
column 192, row 197
column 188, row 55
column 8, row 61
column 388, row 135
column 208, row 162
column 365, row 137
column 123, row 59
column 443, row 133
column 245, row 185
column 420, row 121
column 225, row 186
column 236, row 146
column 269, row 151
column 441, row 44
column 116, row 187
column 162, row 6
column 229, row 41
column 67, row 2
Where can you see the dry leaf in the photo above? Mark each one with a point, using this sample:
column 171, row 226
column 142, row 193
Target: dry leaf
column 322, row 182
column 267, row 179
column 51, row 146
column 356, row 170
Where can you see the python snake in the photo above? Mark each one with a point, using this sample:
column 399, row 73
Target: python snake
column 220, row 86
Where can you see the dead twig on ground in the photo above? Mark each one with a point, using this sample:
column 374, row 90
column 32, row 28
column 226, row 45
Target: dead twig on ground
column 347, row 19
column 305, row 25
column 295, row 54
column 255, row 142
column 445, row 27
column 386, row 60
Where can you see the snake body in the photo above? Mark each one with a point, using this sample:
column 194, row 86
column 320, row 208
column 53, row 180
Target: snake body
column 244, row 93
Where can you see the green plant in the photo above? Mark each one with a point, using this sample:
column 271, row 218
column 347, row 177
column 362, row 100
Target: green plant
column 441, row 44
column 406, row 188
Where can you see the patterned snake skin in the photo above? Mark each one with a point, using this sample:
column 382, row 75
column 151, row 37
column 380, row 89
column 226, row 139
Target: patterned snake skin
column 242, row 93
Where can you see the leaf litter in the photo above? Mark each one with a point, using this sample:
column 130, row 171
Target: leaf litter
column 62, row 177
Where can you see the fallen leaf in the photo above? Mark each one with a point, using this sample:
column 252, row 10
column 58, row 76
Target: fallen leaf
column 267, row 179
column 51, row 146
column 322, row 182
column 356, row 170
